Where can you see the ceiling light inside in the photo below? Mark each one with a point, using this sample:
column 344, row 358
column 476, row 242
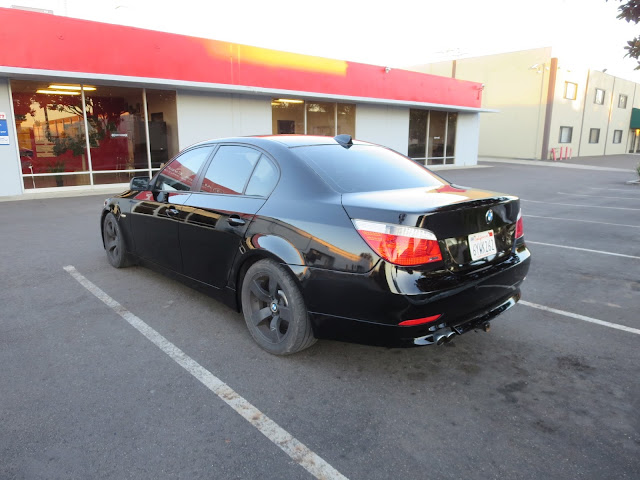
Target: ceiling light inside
column 86, row 88
column 57, row 92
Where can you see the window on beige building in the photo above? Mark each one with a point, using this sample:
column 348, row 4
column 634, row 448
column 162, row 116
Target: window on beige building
column 594, row 135
column 570, row 90
column 565, row 134
column 622, row 101
column 617, row 136
column 599, row 99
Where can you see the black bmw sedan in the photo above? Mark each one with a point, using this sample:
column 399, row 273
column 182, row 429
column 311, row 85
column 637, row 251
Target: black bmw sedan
column 319, row 237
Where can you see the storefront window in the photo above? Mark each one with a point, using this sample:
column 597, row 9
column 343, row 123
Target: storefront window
column 50, row 123
column 436, row 140
column 51, row 135
column 452, row 121
column 418, row 120
column 321, row 119
column 116, row 128
column 288, row 116
column 432, row 136
column 163, row 126
column 346, row 119
column 313, row 118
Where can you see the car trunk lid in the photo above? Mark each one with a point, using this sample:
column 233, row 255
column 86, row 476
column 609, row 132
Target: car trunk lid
column 452, row 213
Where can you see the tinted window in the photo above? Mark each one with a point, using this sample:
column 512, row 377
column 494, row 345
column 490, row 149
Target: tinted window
column 364, row 168
column 264, row 178
column 230, row 169
column 182, row 171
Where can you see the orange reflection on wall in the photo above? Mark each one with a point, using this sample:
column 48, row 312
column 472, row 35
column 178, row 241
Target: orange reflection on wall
column 275, row 58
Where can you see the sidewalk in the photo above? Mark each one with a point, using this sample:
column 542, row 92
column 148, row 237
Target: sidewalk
column 609, row 163
column 84, row 191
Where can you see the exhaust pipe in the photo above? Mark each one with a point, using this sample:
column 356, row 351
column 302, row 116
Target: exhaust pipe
column 439, row 337
column 443, row 336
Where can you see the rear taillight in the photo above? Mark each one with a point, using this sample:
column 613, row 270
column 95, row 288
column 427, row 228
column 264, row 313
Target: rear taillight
column 519, row 226
column 400, row 245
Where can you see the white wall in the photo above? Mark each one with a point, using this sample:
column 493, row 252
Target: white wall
column 10, row 181
column 388, row 126
column 467, row 138
column 202, row 116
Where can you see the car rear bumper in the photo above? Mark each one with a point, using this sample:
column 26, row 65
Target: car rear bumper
column 367, row 308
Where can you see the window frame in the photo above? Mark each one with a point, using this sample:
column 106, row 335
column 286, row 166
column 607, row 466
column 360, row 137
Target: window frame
column 264, row 154
column 197, row 180
column 277, row 169
column 305, row 105
column 613, row 140
column 595, row 98
column 626, row 99
column 575, row 90
column 591, row 132
column 570, row 134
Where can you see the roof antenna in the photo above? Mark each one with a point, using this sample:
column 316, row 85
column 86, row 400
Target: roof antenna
column 344, row 140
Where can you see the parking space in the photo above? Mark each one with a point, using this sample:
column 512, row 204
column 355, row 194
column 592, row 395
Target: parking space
column 542, row 395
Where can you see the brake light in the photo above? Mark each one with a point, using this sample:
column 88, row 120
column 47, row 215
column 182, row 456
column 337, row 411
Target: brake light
column 420, row 321
column 519, row 226
column 398, row 244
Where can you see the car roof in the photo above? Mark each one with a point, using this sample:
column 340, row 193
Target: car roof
column 290, row 141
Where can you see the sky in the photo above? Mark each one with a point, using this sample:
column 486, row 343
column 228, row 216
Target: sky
column 396, row 33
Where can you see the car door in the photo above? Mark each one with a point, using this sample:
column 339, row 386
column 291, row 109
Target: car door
column 156, row 213
column 234, row 187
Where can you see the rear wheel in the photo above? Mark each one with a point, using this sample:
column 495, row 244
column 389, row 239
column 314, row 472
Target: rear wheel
column 274, row 309
column 113, row 242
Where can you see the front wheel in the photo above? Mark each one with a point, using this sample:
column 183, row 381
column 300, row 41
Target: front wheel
column 274, row 309
column 113, row 242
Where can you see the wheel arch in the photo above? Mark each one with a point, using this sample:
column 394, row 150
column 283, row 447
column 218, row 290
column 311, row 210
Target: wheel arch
column 113, row 208
column 253, row 256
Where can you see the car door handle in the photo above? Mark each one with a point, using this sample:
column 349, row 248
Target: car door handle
column 172, row 211
column 235, row 221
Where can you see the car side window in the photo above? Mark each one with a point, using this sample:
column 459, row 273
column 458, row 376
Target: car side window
column 230, row 170
column 263, row 180
column 181, row 172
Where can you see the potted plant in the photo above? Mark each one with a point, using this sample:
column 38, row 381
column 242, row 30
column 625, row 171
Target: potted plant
column 57, row 167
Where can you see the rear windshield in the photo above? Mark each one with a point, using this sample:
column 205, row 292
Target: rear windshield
column 366, row 168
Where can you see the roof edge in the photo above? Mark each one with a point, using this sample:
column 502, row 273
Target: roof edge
column 142, row 82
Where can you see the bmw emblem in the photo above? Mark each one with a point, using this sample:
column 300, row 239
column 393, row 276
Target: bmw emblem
column 489, row 216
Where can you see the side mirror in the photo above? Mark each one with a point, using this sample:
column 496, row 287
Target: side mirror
column 139, row 183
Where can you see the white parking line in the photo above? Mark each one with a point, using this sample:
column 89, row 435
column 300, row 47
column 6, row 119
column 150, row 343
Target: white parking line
column 578, row 205
column 270, row 429
column 628, row 190
column 584, row 249
column 584, row 221
column 581, row 317
column 598, row 196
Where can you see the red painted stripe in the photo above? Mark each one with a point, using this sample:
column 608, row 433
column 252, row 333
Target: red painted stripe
column 49, row 42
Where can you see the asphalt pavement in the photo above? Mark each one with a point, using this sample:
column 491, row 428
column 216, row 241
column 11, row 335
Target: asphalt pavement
column 547, row 393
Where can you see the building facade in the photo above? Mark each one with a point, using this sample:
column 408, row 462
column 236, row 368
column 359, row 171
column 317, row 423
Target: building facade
column 548, row 106
column 87, row 104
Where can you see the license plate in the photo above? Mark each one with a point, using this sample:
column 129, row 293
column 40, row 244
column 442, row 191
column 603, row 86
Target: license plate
column 482, row 244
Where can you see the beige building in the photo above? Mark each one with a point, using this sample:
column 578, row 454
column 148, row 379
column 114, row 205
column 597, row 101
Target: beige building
column 547, row 105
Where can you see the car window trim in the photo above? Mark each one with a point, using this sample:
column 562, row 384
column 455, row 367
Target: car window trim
column 197, row 179
column 244, row 189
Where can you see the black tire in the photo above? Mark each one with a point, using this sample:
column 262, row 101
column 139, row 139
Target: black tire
column 274, row 309
column 113, row 242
